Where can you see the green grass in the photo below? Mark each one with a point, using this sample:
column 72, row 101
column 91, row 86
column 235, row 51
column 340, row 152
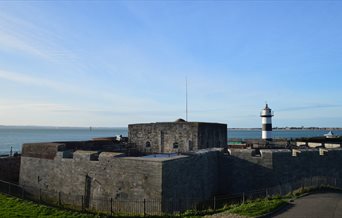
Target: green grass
column 251, row 208
column 14, row 207
column 258, row 207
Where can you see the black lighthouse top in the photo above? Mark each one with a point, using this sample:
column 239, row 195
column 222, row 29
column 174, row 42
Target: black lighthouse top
column 266, row 112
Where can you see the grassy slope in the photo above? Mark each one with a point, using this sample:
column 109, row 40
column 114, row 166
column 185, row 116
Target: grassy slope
column 251, row 209
column 13, row 207
column 257, row 208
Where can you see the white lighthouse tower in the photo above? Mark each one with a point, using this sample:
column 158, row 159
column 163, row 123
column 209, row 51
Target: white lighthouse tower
column 266, row 119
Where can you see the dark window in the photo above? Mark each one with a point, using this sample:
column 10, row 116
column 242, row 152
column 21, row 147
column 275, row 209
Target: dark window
column 148, row 144
column 175, row 145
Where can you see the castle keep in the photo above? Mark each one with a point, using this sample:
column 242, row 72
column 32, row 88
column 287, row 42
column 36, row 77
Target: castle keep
column 178, row 136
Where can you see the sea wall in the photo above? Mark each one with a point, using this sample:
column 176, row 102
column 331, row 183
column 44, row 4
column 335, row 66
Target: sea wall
column 9, row 169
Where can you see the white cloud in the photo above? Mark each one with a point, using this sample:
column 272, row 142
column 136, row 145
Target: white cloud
column 23, row 36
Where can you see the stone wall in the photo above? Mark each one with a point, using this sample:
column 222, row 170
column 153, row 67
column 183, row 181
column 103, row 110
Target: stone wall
column 247, row 170
column 186, row 179
column 190, row 180
column 212, row 135
column 177, row 136
column 163, row 136
column 9, row 169
column 93, row 176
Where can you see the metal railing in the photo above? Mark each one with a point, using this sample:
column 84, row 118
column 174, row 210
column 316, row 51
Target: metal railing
column 111, row 206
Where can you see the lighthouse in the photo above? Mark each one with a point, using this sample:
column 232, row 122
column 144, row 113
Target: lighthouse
column 266, row 119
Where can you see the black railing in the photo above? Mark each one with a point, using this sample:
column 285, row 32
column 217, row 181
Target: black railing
column 110, row 206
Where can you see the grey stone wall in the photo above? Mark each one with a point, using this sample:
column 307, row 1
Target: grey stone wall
column 93, row 176
column 212, row 135
column 190, row 180
column 189, row 136
column 186, row 179
column 9, row 169
column 244, row 171
column 182, row 178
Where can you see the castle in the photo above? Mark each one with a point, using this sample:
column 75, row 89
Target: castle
column 184, row 161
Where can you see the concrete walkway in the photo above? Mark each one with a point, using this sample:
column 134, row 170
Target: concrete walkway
column 319, row 205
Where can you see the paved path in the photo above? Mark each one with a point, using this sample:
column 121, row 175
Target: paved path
column 319, row 205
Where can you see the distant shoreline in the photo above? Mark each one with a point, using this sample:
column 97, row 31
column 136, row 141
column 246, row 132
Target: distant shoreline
column 100, row 127
column 292, row 128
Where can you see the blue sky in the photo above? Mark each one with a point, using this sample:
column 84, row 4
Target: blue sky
column 111, row 63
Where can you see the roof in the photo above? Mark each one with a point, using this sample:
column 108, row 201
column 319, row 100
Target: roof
column 180, row 120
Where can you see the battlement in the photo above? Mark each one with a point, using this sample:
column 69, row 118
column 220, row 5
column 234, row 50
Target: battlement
column 67, row 149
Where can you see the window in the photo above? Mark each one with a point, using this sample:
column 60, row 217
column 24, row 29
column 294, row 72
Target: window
column 175, row 145
column 148, row 144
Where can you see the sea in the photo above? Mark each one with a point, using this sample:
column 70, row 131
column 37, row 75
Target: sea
column 14, row 137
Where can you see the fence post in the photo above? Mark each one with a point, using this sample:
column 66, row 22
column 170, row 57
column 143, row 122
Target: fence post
column 59, row 199
column 111, row 207
column 179, row 205
column 82, row 203
column 144, row 207
column 40, row 195
column 9, row 188
column 243, row 197
column 214, row 203
column 22, row 192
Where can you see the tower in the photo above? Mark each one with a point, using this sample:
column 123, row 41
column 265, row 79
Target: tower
column 266, row 119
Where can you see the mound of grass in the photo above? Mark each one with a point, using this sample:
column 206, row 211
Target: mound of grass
column 258, row 207
column 14, row 207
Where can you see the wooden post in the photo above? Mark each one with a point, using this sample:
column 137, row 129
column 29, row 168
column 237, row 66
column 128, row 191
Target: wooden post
column 214, row 202
column 40, row 195
column 243, row 197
